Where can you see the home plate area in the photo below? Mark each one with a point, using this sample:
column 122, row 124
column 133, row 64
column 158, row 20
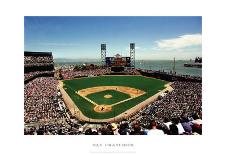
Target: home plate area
column 102, row 108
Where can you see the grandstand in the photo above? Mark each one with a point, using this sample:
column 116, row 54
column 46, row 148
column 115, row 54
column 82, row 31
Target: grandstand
column 38, row 64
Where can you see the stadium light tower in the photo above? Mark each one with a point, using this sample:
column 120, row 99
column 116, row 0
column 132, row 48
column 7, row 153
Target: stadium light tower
column 103, row 55
column 132, row 54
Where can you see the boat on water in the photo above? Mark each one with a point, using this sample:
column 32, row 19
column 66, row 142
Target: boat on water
column 196, row 64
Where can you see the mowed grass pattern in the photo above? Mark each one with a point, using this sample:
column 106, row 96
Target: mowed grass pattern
column 116, row 97
column 150, row 85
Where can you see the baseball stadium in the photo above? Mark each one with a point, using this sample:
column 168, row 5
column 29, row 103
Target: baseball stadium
column 112, row 98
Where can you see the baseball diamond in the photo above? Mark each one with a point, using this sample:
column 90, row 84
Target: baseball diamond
column 125, row 95
column 100, row 99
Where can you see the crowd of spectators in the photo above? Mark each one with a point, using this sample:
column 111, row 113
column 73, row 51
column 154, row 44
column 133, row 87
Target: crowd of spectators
column 32, row 63
column 68, row 127
column 132, row 71
column 35, row 73
column 42, row 101
column 189, row 77
column 73, row 71
column 69, row 74
column 37, row 60
column 183, row 104
column 63, row 127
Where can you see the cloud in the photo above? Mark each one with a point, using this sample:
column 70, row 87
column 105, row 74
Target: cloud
column 183, row 47
column 180, row 42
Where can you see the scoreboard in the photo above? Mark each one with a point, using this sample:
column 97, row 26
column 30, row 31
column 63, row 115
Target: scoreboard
column 118, row 61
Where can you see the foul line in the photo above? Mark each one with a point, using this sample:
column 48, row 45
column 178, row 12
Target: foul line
column 86, row 99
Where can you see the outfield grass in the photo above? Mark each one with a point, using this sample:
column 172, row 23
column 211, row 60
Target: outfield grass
column 150, row 85
column 116, row 97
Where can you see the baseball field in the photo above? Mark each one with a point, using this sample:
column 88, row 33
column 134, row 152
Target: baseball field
column 106, row 97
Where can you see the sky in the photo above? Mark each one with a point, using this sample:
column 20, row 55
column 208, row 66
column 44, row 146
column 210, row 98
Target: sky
column 80, row 37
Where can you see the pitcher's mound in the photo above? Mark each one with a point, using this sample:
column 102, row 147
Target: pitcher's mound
column 107, row 96
column 102, row 108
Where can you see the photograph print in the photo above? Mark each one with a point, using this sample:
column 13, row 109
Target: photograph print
column 113, row 75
